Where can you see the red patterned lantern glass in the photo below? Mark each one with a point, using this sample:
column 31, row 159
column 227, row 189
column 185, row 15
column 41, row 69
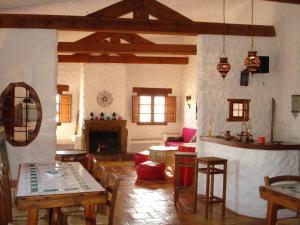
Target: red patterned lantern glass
column 223, row 66
column 252, row 62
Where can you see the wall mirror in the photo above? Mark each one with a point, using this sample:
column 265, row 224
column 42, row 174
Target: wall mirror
column 20, row 113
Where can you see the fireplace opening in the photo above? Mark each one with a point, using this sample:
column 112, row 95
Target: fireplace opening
column 104, row 142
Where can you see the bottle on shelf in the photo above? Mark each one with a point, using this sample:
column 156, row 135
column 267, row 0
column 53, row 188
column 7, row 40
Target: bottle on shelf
column 91, row 116
column 249, row 128
column 102, row 117
column 209, row 129
column 243, row 127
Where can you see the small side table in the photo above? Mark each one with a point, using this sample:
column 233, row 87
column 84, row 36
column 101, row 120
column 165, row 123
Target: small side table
column 70, row 155
column 163, row 154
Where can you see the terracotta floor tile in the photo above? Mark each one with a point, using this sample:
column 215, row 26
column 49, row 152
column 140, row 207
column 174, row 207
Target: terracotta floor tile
column 151, row 203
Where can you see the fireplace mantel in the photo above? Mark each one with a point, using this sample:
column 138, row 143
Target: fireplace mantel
column 106, row 125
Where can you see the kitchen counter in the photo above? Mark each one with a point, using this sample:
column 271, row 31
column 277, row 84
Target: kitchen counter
column 248, row 164
column 255, row 145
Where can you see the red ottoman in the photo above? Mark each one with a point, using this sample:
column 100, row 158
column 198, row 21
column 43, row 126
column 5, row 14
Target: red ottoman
column 141, row 157
column 151, row 171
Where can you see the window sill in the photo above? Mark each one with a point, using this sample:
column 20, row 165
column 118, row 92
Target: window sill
column 236, row 119
column 152, row 123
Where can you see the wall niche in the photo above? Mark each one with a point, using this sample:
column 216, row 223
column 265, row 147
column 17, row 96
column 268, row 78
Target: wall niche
column 20, row 113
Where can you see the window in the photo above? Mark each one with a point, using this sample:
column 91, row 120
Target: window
column 152, row 106
column 238, row 109
column 63, row 105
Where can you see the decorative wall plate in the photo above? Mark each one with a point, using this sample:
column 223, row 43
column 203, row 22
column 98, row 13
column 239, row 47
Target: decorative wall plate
column 104, row 98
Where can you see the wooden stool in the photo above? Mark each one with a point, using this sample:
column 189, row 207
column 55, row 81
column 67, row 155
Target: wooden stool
column 184, row 160
column 210, row 171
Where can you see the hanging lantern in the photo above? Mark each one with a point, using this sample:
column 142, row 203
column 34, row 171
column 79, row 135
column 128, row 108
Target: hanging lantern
column 223, row 66
column 252, row 62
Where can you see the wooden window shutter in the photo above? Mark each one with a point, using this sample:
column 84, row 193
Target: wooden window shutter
column 135, row 108
column 65, row 108
column 171, row 109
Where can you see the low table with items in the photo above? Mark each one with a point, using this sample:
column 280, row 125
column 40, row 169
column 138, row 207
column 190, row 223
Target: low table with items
column 163, row 154
column 71, row 155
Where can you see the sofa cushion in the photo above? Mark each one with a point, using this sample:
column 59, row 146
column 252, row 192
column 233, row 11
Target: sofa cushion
column 171, row 143
column 175, row 139
column 188, row 134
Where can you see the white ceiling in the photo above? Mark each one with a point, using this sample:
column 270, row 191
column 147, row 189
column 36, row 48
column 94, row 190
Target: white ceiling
column 11, row 4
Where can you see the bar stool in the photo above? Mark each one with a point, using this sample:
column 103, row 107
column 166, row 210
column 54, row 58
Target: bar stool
column 210, row 170
column 182, row 161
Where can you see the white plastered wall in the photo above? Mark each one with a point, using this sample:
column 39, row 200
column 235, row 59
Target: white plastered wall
column 153, row 76
column 104, row 77
column 281, row 82
column 69, row 74
column 30, row 56
column 189, row 83
column 119, row 79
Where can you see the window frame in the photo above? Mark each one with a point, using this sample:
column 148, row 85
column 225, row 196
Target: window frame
column 152, row 92
column 152, row 122
column 60, row 89
column 245, row 110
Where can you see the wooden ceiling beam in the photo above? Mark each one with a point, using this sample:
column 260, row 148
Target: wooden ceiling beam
column 82, row 23
column 286, row 1
column 174, row 49
column 84, row 58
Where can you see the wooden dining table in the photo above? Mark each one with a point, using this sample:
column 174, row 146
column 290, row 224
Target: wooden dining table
column 53, row 186
column 286, row 195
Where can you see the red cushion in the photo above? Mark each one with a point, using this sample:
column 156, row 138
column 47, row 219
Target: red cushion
column 141, row 157
column 188, row 134
column 186, row 173
column 151, row 171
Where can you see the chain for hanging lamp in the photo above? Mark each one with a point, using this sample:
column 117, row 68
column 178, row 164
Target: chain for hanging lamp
column 223, row 66
column 252, row 61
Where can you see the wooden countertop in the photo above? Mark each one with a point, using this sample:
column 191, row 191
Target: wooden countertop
column 255, row 145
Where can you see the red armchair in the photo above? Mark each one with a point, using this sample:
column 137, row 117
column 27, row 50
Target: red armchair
column 186, row 136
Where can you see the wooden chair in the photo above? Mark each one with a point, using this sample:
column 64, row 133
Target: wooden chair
column 6, row 214
column 6, row 191
column 112, row 186
column 184, row 160
column 286, row 179
column 88, row 162
column 290, row 221
column 98, row 172
column 283, row 178
column 12, row 214
column 3, row 218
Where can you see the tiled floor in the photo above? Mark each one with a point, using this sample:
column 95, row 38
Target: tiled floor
column 152, row 203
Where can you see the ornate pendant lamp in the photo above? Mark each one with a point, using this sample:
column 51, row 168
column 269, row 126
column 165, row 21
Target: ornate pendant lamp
column 223, row 66
column 252, row 62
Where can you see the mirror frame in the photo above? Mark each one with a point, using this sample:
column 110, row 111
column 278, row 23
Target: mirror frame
column 33, row 95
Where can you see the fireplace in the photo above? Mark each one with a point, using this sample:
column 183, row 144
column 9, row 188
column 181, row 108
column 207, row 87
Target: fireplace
column 104, row 142
column 105, row 136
